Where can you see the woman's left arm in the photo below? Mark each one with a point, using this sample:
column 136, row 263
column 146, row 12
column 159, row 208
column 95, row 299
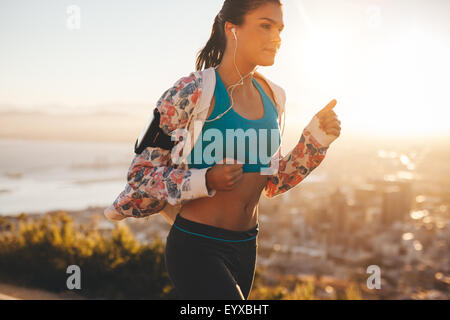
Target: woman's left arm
column 309, row 152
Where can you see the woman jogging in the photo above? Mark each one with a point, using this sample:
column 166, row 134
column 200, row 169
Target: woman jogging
column 212, row 245
column 213, row 204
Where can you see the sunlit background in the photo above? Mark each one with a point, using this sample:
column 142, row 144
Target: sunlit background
column 79, row 79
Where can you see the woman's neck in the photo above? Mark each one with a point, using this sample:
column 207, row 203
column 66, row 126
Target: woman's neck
column 230, row 76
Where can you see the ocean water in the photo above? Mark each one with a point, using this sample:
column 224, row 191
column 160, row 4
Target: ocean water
column 37, row 176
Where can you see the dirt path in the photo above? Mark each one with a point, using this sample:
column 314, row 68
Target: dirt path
column 13, row 292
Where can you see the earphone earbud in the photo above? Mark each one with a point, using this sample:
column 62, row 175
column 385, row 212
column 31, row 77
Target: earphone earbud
column 234, row 32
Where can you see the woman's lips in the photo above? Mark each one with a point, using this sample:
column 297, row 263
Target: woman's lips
column 272, row 51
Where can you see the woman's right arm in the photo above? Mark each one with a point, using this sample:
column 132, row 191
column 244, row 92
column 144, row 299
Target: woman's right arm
column 151, row 180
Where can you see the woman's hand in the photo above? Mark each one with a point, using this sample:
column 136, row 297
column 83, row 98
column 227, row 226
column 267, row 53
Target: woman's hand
column 224, row 177
column 328, row 120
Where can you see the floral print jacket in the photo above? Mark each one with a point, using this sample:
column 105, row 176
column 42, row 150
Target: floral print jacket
column 154, row 181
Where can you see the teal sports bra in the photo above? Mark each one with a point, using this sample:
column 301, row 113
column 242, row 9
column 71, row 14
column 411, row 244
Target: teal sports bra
column 253, row 142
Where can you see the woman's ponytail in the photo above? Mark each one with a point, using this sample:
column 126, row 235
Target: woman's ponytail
column 212, row 53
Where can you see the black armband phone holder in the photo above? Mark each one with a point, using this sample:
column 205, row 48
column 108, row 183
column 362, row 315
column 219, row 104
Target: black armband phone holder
column 153, row 135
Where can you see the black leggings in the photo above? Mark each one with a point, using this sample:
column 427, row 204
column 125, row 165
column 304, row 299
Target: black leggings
column 206, row 262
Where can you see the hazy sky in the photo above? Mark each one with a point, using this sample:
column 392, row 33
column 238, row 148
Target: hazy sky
column 386, row 62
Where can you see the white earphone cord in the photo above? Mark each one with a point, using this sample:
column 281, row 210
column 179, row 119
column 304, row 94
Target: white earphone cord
column 241, row 82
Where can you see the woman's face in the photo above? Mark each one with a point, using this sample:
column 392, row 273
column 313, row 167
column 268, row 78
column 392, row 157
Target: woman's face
column 259, row 36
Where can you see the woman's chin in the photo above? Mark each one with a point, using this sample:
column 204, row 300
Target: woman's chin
column 265, row 61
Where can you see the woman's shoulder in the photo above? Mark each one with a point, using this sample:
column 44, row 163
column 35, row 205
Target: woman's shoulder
column 177, row 102
column 182, row 87
column 275, row 91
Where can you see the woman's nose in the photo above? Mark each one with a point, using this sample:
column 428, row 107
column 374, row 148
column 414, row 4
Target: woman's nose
column 277, row 40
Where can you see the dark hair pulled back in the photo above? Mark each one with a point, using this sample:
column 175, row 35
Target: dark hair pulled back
column 233, row 11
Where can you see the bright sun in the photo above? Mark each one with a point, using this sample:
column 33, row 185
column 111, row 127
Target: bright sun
column 389, row 80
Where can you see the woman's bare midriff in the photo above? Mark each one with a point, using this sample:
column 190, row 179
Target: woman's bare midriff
column 233, row 210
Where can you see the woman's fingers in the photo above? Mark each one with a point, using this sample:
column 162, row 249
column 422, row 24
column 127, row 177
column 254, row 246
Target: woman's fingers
column 236, row 174
column 327, row 109
column 329, row 116
column 332, row 129
column 337, row 127
column 326, row 114
column 237, row 179
column 334, row 132
column 329, row 124
column 330, row 120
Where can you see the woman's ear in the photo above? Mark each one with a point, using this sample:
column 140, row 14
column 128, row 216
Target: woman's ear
column 228, row 29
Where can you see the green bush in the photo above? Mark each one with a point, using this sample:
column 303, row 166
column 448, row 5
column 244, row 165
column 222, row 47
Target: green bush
column 113, row 266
